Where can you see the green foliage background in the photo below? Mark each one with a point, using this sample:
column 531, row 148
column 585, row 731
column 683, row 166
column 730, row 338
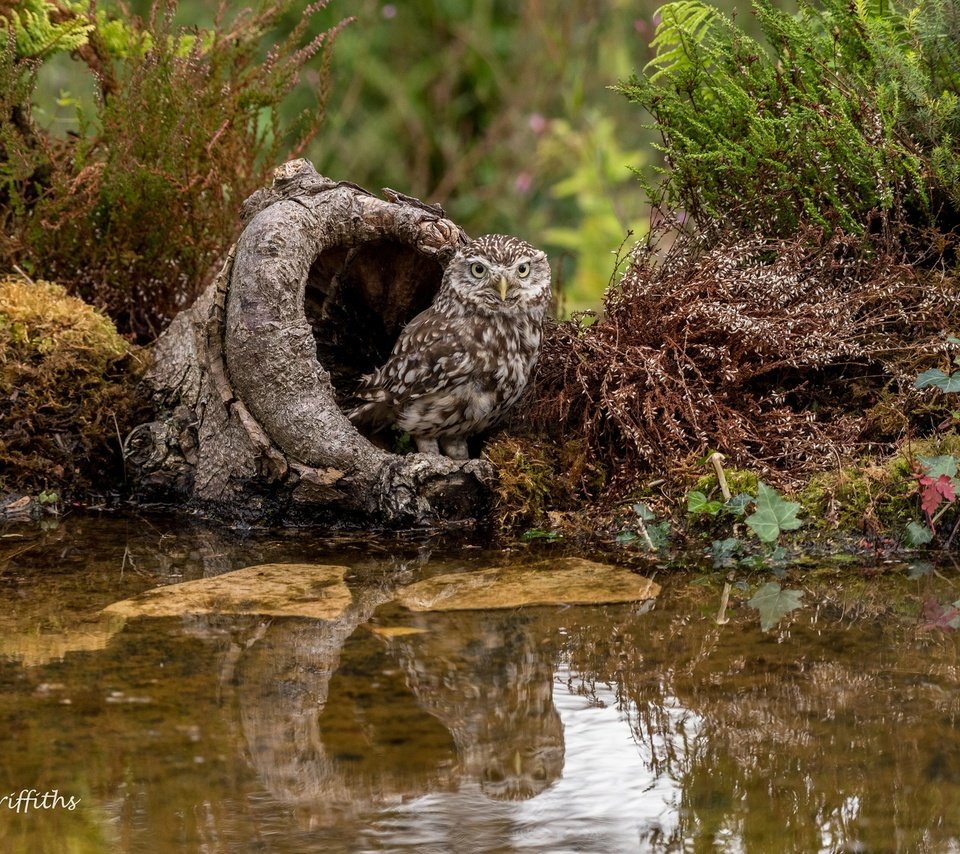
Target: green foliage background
column 501, row 111
column 506, row 113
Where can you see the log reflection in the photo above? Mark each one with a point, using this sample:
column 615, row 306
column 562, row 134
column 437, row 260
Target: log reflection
column 340, row 719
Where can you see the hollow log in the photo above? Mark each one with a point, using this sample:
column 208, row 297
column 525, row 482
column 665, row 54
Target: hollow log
column 246, row 382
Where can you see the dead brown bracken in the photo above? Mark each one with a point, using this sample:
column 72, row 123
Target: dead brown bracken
column 785, row 354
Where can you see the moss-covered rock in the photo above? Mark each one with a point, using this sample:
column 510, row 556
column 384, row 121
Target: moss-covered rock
column 67, row 391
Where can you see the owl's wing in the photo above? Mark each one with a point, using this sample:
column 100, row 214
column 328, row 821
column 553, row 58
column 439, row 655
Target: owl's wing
column 433, row 352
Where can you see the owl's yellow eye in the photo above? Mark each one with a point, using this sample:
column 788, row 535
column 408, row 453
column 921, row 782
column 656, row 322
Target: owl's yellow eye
column 523, row 270
column 477, row 269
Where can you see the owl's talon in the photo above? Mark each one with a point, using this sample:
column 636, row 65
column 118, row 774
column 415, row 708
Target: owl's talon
column 456, row 449
column 428, row 446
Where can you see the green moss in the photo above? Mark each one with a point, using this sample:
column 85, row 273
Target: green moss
column 876, row 495
column 537, row 476
column 67, row 390
column 852, row 498
column 738, row 481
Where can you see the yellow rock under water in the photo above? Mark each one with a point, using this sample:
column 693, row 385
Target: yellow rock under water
column 567, row 581
column 315, row 591
column 395, row 631
column 36, row 648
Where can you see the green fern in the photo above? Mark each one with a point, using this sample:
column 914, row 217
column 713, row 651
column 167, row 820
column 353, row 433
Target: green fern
column 845, row 117
column 37, row 37
column 684, row 26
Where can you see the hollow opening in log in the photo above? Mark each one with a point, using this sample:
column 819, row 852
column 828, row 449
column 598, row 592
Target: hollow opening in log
column 358, row 299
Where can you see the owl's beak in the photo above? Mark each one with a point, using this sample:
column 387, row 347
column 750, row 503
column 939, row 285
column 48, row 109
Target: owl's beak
column 503, row 287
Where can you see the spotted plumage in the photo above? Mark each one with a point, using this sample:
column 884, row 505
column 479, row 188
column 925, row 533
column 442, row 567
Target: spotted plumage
column 458, row 366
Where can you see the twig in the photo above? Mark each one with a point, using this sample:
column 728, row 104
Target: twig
column 123, row 450
column 22, row 273
column 646, row 536
column 716, row 458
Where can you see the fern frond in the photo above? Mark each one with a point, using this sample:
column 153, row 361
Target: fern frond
column 37, row 37
column 683, row 28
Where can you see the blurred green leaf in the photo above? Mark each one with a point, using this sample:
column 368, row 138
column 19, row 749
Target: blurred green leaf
column 937, row 378
column 916, row 534
column 773, row 603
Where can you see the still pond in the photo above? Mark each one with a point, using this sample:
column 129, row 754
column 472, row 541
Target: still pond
column 382, row 724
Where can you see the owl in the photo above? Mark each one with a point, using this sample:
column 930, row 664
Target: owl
column 459, row 365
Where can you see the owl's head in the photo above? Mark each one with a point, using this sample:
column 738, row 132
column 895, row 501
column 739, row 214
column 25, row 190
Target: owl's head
column 498, row 274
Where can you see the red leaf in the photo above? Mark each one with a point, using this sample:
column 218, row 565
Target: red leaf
column 932, row 610
column 945, row 485
column 934, row 492
column 939, row 616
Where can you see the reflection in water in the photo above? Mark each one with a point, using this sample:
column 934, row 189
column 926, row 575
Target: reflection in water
column 542, row 729
column 488, row 677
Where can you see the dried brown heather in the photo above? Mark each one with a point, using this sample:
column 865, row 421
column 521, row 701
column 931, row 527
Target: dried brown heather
column 784, row 356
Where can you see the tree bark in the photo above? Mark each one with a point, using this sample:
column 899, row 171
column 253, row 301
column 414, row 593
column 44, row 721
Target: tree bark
column 247, row 380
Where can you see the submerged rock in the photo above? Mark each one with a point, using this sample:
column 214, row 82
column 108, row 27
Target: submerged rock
column 315, row 591
column 33, row 648
column 568, row 581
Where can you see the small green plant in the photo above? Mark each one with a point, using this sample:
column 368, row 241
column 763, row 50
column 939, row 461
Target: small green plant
column 773, row 515
column 936, row 476
column 698, row 504
column 724, row 552
column 916, row 535
column 132, row 210
column 643, row 529
column 937, row 486
column 936, row 378
column 49, row 501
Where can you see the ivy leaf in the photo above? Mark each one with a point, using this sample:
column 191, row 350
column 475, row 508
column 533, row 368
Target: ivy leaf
column 938, row 379
column 934, row 492
column 738, row 503
column 916, row 534
column 773, row 603
column 773, row 514
column 723, row 551
column 643, row 511
column 945, row 464
column 697, row 503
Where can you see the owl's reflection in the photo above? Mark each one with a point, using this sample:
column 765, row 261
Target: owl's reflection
column 488, row 677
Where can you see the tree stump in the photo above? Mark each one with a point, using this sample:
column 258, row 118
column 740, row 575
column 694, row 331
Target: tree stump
column 246, row 381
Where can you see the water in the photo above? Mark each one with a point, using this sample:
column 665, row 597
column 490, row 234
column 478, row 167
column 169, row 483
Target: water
column 613, row 728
